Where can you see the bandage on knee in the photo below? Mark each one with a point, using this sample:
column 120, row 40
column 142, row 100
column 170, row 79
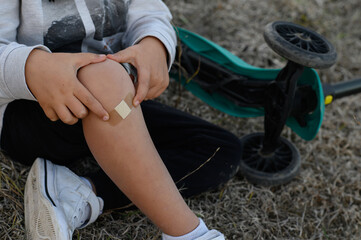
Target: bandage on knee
column 123, row 109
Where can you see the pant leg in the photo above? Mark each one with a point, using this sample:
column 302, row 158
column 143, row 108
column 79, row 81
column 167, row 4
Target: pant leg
column 183, row 141
column 27, row 134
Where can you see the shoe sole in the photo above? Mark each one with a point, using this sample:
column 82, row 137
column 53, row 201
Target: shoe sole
column 43, row 220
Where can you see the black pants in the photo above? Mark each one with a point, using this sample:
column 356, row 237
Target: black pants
column 184, row 143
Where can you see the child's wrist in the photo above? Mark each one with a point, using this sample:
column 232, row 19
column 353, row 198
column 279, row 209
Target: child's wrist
column 156, row 42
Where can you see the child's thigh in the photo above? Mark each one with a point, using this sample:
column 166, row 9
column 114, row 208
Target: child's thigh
column 27, row 134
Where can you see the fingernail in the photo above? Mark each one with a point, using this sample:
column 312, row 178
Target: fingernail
column 101, row 55
column 136, row 103
column 106, row 118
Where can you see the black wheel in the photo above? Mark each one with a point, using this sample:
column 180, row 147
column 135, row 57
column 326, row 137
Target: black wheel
column 300, row 45
column 277, row 168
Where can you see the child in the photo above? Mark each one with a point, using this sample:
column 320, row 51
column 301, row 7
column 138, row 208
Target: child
column 63, row 97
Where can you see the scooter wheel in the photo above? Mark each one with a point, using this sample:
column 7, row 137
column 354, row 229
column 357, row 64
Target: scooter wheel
column 273, row 169
column 299, row 44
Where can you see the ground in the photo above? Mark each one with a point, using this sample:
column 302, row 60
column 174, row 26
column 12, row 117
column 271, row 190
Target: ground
column 322, row 202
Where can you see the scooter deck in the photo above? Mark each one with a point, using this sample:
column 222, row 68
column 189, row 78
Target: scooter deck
column 211, row 51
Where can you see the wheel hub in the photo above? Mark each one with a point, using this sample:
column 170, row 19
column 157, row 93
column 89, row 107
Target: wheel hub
column 303, row 36
column 278, row 167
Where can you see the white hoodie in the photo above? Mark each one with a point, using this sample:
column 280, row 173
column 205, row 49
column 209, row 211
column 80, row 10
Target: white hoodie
column 98, row 26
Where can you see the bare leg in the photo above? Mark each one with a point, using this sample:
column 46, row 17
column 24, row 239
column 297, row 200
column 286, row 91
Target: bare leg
column 127, row 154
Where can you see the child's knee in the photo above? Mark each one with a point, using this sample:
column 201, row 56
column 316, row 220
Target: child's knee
column 108, row 81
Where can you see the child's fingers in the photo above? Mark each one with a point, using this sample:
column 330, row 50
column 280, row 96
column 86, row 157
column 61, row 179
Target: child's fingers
column 88, row 100
column 161, row 84
column 115, row 57
column 50, row 113
column 141, row 93
column 84, row 59
column 154, row 92
column 65, row 115
column 77, row 108
column 142, row 88
column 122, row 56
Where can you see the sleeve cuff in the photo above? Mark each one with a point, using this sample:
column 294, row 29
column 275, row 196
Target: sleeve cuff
column 15, row 71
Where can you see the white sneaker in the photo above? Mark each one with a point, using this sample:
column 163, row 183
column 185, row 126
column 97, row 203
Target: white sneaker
column 57, row 202
column 211, row 235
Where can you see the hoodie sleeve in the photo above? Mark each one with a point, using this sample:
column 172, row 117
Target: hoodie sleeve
column 13, row 55
column 151, row 18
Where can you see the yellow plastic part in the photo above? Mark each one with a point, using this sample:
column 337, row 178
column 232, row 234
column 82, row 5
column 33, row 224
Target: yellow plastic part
column 328, row 99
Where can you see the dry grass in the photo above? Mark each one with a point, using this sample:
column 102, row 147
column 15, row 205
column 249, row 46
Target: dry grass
column 323, row 202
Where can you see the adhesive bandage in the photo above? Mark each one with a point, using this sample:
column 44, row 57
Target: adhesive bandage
column 122, row 109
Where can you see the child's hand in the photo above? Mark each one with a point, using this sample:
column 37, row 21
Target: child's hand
column 149, row 57
column 52, row 79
